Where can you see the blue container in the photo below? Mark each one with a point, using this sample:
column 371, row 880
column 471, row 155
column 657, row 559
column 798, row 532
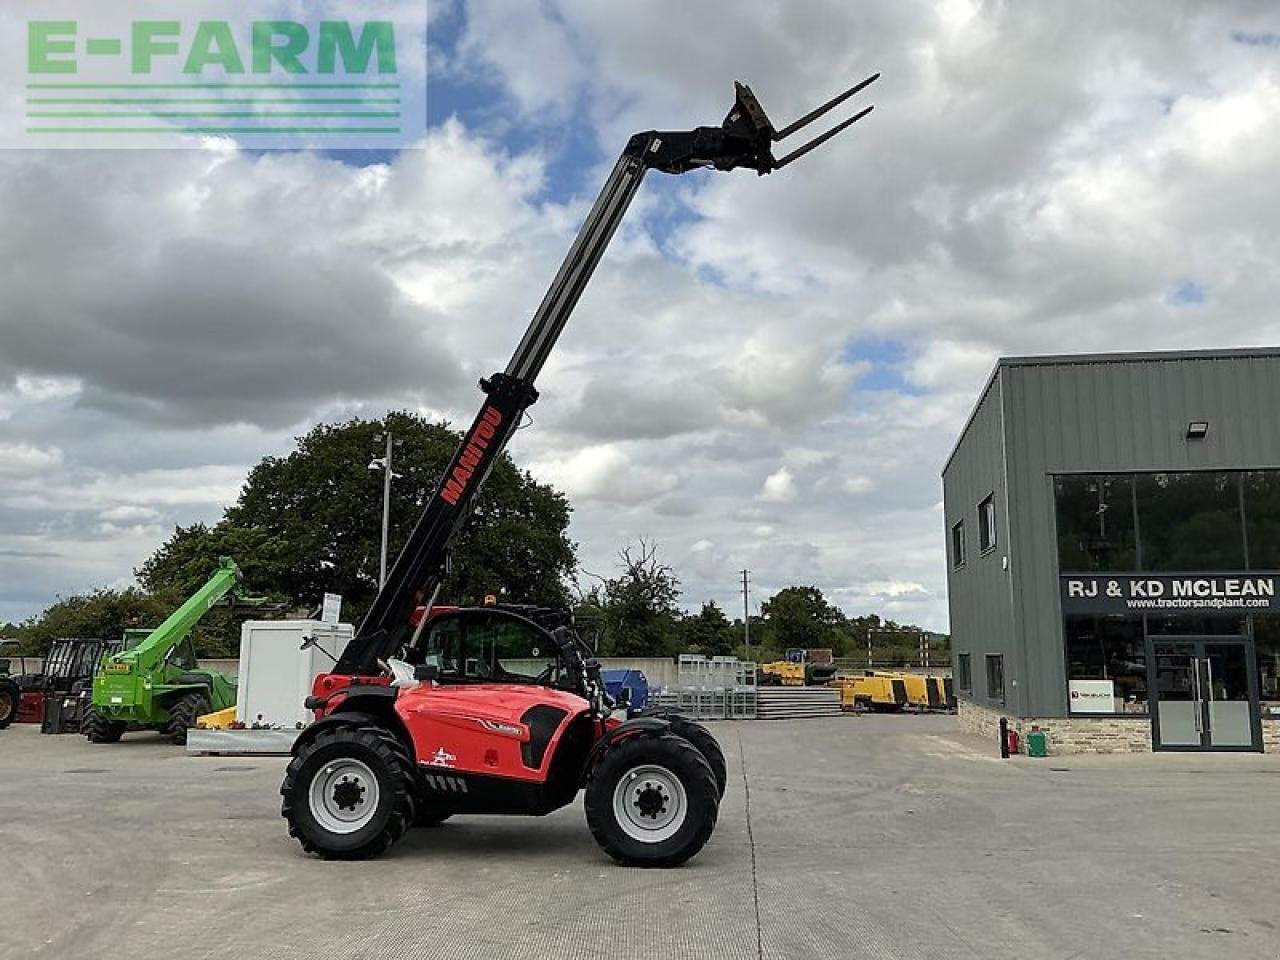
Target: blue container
column 634, row 681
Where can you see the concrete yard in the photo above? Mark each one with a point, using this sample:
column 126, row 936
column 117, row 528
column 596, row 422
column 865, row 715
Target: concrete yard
column 854, row 837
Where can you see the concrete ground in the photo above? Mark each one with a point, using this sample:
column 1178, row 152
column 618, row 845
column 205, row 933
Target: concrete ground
column 856, row 837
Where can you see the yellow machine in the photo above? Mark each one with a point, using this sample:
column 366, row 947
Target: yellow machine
column 924, row 693
column 946, row 697
column 782, row 673
column 880, row 692
column 789, row 673
column 918, row 689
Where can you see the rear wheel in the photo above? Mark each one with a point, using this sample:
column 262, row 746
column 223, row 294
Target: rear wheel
column 652, row 801
column 99, row 729
column 9, row 695
column 707, row 745
column 348, row 793
column 183, row 715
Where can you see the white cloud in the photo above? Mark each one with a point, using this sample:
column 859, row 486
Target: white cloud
column 605, row 474
column 43, row 389
column 27, row 460
column 779, row 487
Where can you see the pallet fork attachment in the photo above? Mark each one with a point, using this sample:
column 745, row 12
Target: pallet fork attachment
column 749, row 107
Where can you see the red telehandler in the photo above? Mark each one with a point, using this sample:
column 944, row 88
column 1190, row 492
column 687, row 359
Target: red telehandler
column 434, row 711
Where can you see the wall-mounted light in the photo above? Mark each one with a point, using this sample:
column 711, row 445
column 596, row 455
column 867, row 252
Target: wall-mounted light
column 1197, row 429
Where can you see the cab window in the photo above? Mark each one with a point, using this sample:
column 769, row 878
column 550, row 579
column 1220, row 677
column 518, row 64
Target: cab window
column 513, row 647
column 488, row 647
column 183, row 655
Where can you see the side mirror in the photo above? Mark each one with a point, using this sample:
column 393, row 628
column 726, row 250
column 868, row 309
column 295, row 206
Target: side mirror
column 426, row 673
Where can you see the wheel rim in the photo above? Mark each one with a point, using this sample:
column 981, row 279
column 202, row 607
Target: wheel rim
column 650, row 804
column 344, row 796
column 6, row 704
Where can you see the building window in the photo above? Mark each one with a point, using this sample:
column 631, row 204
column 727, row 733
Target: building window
column 1262, row 518
column 1096, row 530
column 1190, row 521
column 957, row 544
column 987, row 524
column 1266, row 641
column 1106, row 665
column 1168, row 522
column 995, row 677
column 964, row 674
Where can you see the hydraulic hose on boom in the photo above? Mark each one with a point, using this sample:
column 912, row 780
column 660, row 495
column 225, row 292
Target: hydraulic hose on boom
column 744, row 139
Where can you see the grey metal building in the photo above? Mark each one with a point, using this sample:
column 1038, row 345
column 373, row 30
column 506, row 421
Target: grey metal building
column 1113, row 550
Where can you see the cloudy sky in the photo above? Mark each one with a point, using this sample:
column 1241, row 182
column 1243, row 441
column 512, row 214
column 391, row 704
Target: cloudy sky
column 766, row 373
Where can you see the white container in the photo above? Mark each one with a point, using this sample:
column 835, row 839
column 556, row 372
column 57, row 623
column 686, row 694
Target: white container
column 276, row 674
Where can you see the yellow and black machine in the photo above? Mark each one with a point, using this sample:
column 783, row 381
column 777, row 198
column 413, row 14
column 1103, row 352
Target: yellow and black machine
column 802, row 668
column 882, row 693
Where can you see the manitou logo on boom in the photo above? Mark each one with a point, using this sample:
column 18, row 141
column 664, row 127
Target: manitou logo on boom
column 477, row 444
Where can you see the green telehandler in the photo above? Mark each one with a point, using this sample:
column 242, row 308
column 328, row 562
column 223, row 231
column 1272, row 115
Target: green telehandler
column 155, row 683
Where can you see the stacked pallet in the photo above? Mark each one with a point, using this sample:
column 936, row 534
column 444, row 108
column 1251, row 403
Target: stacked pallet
column 797, row 703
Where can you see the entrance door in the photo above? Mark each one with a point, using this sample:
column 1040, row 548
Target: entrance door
column 1204, row 693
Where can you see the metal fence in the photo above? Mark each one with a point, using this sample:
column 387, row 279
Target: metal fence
column 715, row 688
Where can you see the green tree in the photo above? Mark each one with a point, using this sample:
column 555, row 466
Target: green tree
column 638, row 610
column 311, row 522
column 190, row 556
column 802, row 617
column 708, row 632
column 100, row 614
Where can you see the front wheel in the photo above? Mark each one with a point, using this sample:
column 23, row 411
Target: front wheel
column 183, row 716
column 348, row 793
column 99, row 729
column 652, row 801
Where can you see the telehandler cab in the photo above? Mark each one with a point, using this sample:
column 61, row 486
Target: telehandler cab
column 485, row 710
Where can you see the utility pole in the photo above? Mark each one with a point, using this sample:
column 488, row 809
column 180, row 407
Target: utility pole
column 746, row 609
column 384, row 463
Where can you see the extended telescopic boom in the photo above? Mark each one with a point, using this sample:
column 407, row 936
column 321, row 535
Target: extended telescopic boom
column 744, row 139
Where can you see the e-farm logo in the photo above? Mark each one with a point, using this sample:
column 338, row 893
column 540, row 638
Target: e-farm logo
column 111, row 78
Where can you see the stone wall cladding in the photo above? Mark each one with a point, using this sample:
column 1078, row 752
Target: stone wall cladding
column 1270, row 735
column 1069, row 734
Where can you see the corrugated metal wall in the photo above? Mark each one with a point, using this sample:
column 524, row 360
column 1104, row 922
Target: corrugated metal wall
column 978, row 593
column 1113, row 415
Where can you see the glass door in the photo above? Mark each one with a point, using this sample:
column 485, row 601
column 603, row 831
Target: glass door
column 1231, row 710
column 1178, row 715
column 1205, row 695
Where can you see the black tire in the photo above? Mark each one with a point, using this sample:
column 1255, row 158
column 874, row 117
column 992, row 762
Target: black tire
column 183, row 715
column 98, row 729
column 9, row 697
column 679, row 761
column 707, row 745
column 378, row 751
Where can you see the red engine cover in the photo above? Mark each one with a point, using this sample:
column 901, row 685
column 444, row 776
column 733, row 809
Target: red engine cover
column 480, row 728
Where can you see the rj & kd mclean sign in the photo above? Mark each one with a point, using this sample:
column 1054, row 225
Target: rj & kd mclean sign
column 1140, row 593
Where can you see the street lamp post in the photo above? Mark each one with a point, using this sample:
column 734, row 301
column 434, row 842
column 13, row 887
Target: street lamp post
column 383, row 463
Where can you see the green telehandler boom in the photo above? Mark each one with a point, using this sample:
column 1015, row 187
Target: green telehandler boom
column 155, row 683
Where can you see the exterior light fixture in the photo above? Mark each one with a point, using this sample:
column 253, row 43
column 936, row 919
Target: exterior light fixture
column 1197, row 429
